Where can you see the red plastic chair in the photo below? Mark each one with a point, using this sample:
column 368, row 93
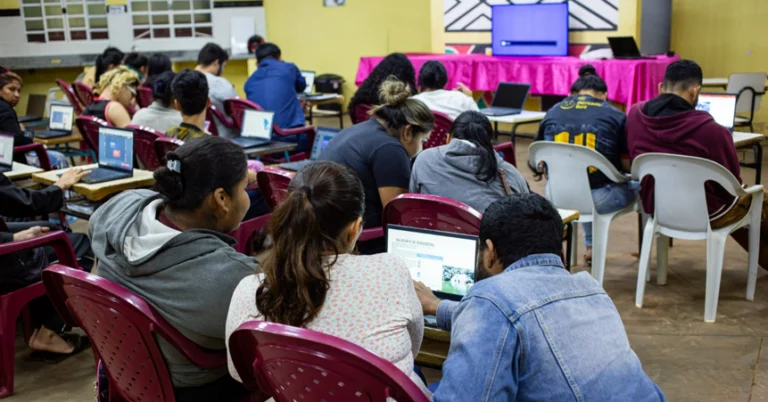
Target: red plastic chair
column 144, row 145
column 507, row 149
column 39, row 150
column 83, row 92
column 244, row 234
column 89, row 129
column 214, row 115
column 144, row 97
column 432, row 212
column 440, row 132
column 360, row 113
column 297, row 364
column 163, row 145
column 14, row 303
column 70, row 94
column 273, row 184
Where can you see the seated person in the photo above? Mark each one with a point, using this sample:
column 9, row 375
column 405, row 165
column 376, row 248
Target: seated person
column 432, row 81
column 396, row 64
column 586, row 118
column 274, row 86
column 310, row 278
column 158, row 64
column 160, row 115
column 528, row 330
column 22, row 269
column 467, row 170
column 211, row 61
column 671, row 124
column 190, row 95
column 116, row 93
column 172, row 250
column 138, row 63
column 380, row 150
column 108, row 60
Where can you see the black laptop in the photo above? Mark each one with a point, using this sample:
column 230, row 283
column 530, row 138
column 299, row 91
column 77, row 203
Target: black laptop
column 625, row 48
column 59, row 122
column 115, row 156
column 508, row 99
column 35, row 108
column 6, row 153
column 322, row 138
column 257, row 128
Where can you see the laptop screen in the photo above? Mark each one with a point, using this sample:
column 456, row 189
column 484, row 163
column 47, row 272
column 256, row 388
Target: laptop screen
column 323, row 137
column 722, row 107
column 309, row 77
column 623, row 46
column 6, row 150
column 257, row 124
column 61, row 118
column 511, row 95
column 116, row 148
column 443, row 261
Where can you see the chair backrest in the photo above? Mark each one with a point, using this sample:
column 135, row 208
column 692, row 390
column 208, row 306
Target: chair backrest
column 567, row 171
column 163, row 145
column 144, row 146
column 244, row 233
column 507, row 150
column 432, row 212
column 121, row 327
column 273, row 184
column 235, row 107
column 679, row 194
column 70, row 94
column 213, row 116
column 144, row 97
column 39, row 150
column 360, row 113
column 440, row 132
column 297, row 364
column 83, row 92
column 738, row 82
column 89, row 129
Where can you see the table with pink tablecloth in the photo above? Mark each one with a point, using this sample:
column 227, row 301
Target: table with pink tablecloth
column 629, row 81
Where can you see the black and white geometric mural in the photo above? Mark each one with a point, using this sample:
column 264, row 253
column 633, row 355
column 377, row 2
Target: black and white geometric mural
column 585, row 15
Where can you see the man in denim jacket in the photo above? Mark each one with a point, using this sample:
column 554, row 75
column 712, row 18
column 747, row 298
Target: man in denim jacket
column 528, row 330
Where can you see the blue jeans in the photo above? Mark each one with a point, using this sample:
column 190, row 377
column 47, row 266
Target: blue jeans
column 610, row 198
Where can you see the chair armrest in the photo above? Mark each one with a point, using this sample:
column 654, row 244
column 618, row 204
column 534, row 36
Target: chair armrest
column 57, row 240
column 15, row 227
column 37, row 148
column 295, row 131
column 757, row 188
column 371, row 234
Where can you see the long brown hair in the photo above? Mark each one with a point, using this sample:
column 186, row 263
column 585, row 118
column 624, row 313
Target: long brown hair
column 307, row 229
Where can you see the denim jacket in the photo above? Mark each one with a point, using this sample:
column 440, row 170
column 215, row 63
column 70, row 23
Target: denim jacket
column 537, row 333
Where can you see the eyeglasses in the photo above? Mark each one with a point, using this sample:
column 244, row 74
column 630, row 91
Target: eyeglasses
column 133, row 91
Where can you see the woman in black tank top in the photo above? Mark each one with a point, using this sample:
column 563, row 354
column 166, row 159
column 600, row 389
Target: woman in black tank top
column 117, row 97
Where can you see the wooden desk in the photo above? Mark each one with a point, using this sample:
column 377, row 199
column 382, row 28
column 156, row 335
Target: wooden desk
column 274, row 147
column 525, row 117
column 336, row 99
column 99, row 191
column 755, row 141
column 49, row 142
column 21, row 171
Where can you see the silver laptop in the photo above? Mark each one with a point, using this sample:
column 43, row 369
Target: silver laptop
column 257, row 128
column 722, row 107
column 59, row 122
column 322, row 139
column 309, row 78
column 6, row 153
column 35, row 108
column 509, row 99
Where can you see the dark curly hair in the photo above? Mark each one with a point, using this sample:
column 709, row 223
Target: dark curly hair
column 396, row 64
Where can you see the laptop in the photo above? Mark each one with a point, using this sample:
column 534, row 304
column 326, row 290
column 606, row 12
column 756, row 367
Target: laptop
column 257, row 129
column 508, row 99
column 59, row 122
column 115, row 156
column 322, row 138
column 35, row 108
column 6, row 153
column 722, row 107
column 309, row 77
column 625, row 48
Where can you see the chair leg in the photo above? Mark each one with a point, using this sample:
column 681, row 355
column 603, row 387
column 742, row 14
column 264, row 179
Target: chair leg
column 645, row 260
column 575, row 245
column 662, row 252
column 600, row 227
column 754, row 252
column 715, row 254
column 7, row 343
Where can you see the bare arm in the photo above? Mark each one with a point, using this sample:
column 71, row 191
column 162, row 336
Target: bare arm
column 388, row 193
column 118, row 115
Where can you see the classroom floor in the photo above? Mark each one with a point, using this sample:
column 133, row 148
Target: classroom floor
column 689, row 359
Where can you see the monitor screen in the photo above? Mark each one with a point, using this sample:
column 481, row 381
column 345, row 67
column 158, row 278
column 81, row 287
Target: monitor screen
column 116, row 148
column 309, row 77
column 6, row 150
column 722, row 107
column 257, row 124
column 516, row 29
column 61, row 117
column 323, row 138
column 443, row 261
column 511, row 95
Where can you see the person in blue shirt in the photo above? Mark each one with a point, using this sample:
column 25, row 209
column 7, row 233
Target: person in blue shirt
column 528, row 330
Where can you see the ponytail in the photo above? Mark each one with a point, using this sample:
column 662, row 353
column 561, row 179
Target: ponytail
column 476, row 128
column 111, row 56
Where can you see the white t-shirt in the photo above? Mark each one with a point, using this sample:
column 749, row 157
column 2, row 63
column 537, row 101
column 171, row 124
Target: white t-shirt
column 452, row 103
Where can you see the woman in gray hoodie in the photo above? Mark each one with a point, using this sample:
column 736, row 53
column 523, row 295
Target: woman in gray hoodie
column 467, row 169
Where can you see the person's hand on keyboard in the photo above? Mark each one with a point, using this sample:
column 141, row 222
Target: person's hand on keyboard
column 70, row 178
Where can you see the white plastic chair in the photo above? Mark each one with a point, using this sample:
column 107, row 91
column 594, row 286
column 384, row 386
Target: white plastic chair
column 750, row 88
column 680, row 211
column 568, row 188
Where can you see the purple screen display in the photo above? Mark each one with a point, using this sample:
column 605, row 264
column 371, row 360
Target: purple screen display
column 530, row 30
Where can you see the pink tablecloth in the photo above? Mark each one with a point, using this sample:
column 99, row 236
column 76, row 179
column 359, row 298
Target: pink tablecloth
column 629, row 81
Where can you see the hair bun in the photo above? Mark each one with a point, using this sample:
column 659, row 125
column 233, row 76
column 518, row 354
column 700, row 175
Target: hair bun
column 394, row 92
column 167, row 182
column 586, row 70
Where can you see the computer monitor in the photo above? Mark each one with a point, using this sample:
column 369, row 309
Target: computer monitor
column 309, row 77
column 6, row 150
column 116, row 148
column 529, row 29
column 722, row 107
column 322, row 139
column 61, row 118
column 257, row 124
column 443, row 261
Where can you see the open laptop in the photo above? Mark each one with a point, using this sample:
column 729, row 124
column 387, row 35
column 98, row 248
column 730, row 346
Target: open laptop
column 6, row 153
column 115, row 156
column 508, row 99
column 59, row 122
column 35, row 108
column 722, row 107
column 309, row 77
column 625, row 48
column 322, row 138
column 257, row 128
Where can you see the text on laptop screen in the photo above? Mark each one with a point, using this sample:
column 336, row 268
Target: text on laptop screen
column 116, row 148
column 722, row 107
column 257, row 124
column 322, row 139
column 61, row 118
column 511, row 95
column 6, row 150
column 443, row 261
column 309, row 77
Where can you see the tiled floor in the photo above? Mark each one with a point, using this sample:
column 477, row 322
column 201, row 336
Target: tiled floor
column 689, row 359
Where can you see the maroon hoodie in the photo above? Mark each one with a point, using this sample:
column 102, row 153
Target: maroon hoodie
column 669, row 124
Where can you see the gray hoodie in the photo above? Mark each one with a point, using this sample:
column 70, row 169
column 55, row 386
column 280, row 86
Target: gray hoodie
column 189, row 277
column 450, row 171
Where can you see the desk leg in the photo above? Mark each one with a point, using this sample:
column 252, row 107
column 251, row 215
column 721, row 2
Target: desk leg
column 568, row 245
column 496, row 130
column 758, row 150
column 310, row 115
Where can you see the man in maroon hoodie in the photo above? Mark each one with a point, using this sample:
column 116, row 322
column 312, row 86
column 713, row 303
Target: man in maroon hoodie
column 671, row 124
